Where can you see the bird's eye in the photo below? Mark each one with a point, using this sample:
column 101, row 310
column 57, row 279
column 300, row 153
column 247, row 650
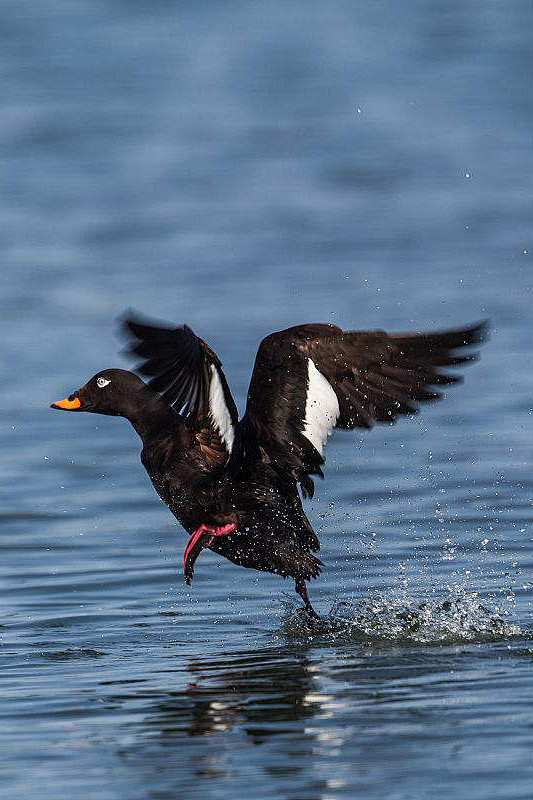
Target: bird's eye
column 101, row 382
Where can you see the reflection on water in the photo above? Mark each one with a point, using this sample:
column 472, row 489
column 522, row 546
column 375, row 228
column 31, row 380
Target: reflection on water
column 261, row 693
column 329, row 709
column 227, row 703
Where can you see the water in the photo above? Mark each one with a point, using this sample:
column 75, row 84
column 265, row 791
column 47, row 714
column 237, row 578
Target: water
column 243, row 168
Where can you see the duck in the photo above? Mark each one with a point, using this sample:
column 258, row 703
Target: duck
column 236, row 486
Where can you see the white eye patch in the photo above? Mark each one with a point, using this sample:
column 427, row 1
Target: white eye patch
column 101, row 382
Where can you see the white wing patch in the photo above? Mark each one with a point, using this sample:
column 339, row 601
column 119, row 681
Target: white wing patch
column 321, row 408
column 218, row 410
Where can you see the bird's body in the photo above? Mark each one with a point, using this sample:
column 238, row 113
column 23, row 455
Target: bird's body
column 233, row 485
column 273, row 533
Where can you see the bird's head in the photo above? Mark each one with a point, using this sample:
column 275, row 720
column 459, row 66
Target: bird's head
column 115, row 392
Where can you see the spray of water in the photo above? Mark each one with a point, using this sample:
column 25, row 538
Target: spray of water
column 459, row 617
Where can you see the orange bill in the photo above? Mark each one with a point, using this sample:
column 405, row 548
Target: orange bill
column 67, row 405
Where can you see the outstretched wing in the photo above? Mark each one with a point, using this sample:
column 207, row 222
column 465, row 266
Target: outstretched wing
column 310, row 379
column 188, row 375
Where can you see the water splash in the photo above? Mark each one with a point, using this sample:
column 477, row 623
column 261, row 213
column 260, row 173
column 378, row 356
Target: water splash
column 459, row 617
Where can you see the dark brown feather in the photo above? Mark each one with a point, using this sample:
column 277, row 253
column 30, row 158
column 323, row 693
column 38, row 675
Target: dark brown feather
column 376, row 376
column 178, row 364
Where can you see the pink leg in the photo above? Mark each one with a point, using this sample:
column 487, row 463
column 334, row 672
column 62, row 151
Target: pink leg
column 201, row 531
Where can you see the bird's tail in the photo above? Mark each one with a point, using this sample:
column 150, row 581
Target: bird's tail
column 297, row 562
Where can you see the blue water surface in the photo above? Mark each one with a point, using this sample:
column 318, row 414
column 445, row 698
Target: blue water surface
column 243, row 167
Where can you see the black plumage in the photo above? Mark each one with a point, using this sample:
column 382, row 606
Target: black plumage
column 232, row 484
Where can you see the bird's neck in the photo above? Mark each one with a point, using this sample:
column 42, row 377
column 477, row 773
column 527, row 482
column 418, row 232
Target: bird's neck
column 153, row 419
